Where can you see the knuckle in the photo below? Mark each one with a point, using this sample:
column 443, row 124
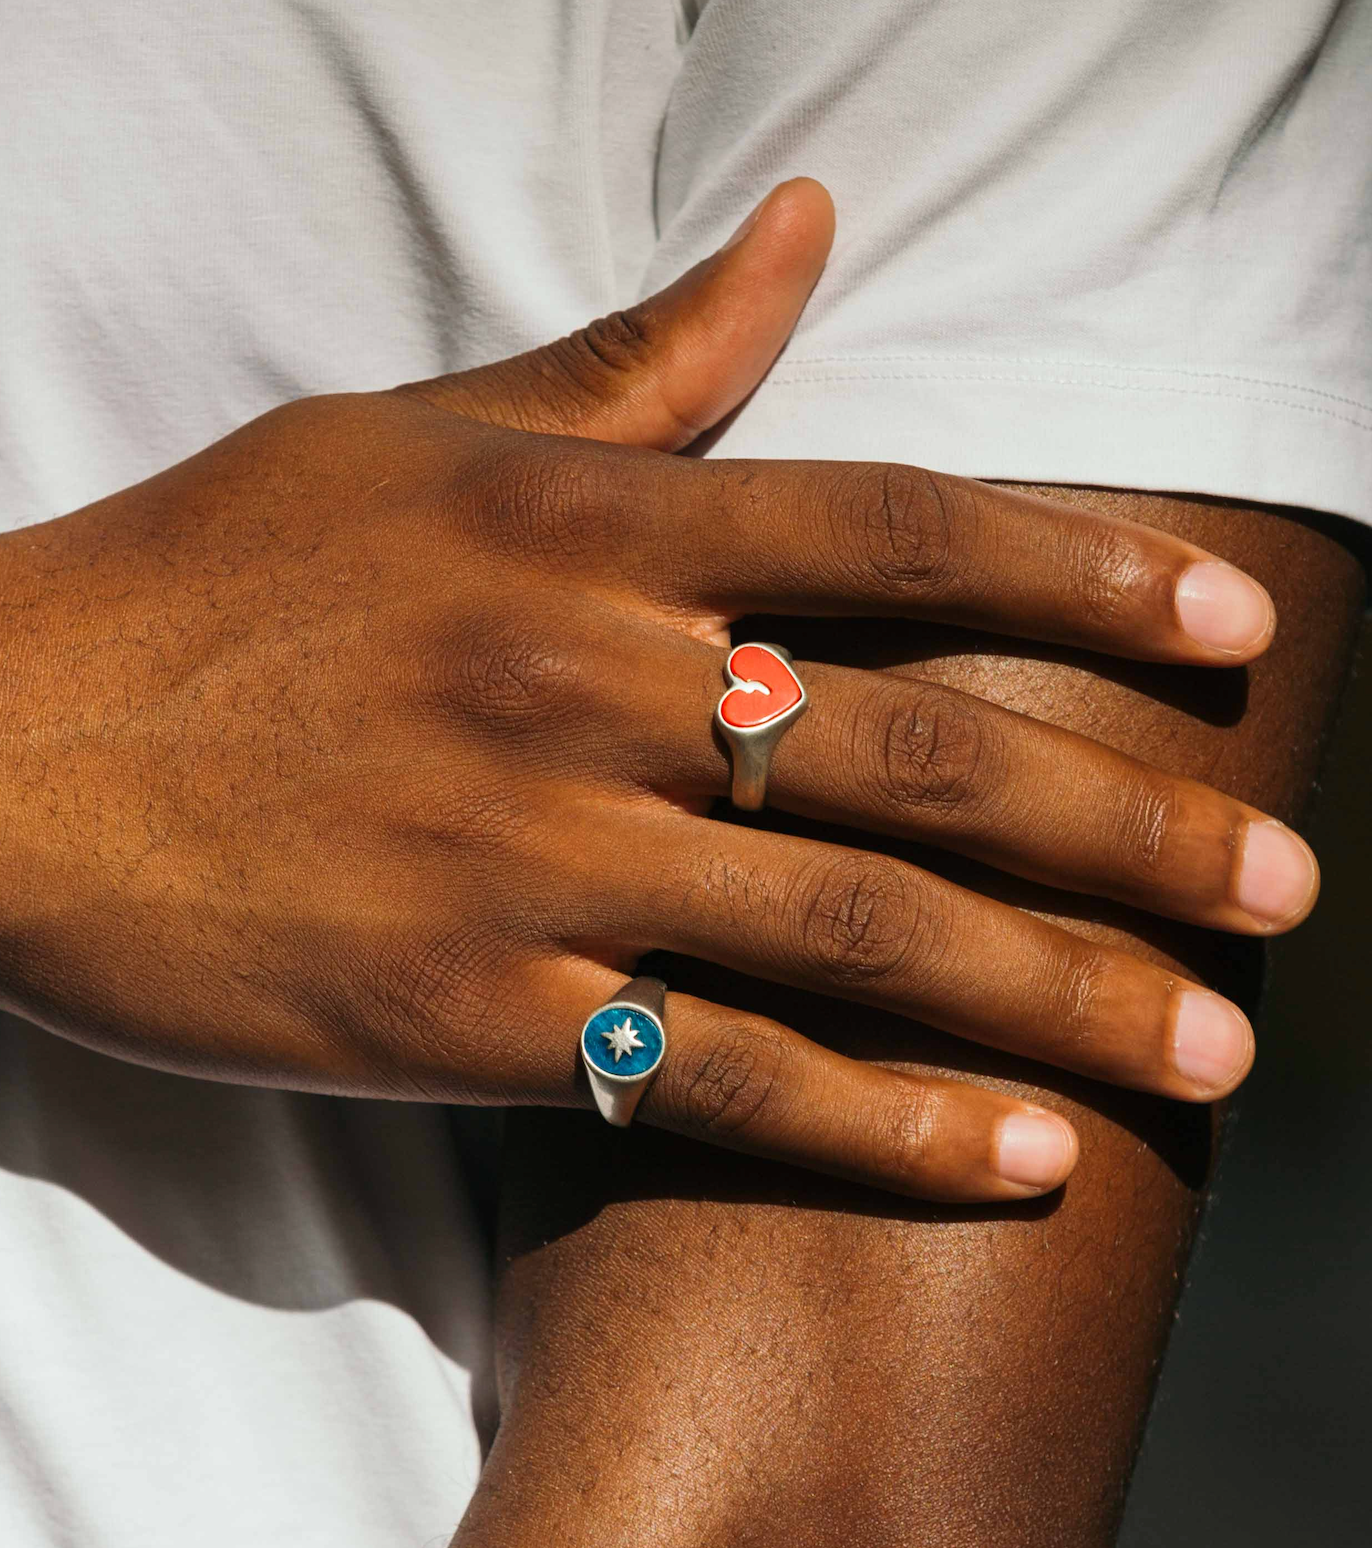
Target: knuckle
column 501, row 669
column 425, row 989
column 547, row 504
column 855, row 918
column 609, row 362
column 727, row 1088
column 1082, row 998
column 1147, row 833
column 906, row 1141
column 933, row 748
column 477, row 818
column 429, row 977
column 729, row 885
column 909, row 521
column 1107, row 570
column 317, row 409
column 593, row 361
column 619, row 340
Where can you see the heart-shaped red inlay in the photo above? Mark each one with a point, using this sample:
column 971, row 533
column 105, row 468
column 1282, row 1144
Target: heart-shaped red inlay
column 779, row 688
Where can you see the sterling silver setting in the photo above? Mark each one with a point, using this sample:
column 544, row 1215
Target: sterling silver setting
column 764, row 699
column 622, row 1046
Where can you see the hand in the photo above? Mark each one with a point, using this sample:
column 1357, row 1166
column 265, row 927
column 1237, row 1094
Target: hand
column 367, row 750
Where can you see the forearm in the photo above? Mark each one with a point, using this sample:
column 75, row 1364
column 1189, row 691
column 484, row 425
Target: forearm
column 26, row 754
column 701, row 1350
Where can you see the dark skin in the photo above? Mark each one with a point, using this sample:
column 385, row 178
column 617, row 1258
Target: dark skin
column 823, row 1365
column 356, row 715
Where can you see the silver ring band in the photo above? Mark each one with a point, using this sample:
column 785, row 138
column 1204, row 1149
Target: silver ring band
column 622, row 1046
column 763, row 701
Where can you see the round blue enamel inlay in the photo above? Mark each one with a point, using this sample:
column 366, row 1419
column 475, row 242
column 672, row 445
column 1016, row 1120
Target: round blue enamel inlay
column 606, row 1031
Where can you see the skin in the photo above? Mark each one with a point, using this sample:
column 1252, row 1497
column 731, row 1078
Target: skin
column 357, row 713
column 693, row 1355
column 355, row 716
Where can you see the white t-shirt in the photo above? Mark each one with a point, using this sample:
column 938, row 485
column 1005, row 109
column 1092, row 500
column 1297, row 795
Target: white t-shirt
column 1123, row 242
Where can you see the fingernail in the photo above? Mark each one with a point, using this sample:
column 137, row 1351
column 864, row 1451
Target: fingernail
column 1222, row 607
column 1034, row 1149
column 1277, row 873
column 749, row 222
column 1211, row 1040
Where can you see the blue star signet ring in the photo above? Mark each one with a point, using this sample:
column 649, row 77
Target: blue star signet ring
column 622, row 1045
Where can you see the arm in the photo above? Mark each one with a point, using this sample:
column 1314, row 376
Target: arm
column 358, row 711
column 695, row 1354
column 1053, row 265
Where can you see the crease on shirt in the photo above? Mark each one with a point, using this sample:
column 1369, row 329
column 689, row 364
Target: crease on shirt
column 1279, row 105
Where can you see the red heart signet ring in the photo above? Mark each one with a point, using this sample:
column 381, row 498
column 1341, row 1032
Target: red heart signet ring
column 764, row 699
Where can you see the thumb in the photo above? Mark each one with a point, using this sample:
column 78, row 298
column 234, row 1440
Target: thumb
column 669, row 368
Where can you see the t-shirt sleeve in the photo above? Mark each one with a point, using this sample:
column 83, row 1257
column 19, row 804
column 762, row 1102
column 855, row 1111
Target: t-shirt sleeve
column 1120, row 242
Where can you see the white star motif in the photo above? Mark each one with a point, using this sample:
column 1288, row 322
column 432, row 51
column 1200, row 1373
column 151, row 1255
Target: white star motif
column 622, row 1040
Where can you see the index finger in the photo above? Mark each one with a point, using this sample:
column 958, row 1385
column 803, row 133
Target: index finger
column 819, row 538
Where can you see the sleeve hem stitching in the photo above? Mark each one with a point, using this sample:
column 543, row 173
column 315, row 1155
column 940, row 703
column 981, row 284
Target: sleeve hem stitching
column 783, row 377
column 1074, row 365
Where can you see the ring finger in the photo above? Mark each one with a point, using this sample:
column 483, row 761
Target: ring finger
column 921, row 761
